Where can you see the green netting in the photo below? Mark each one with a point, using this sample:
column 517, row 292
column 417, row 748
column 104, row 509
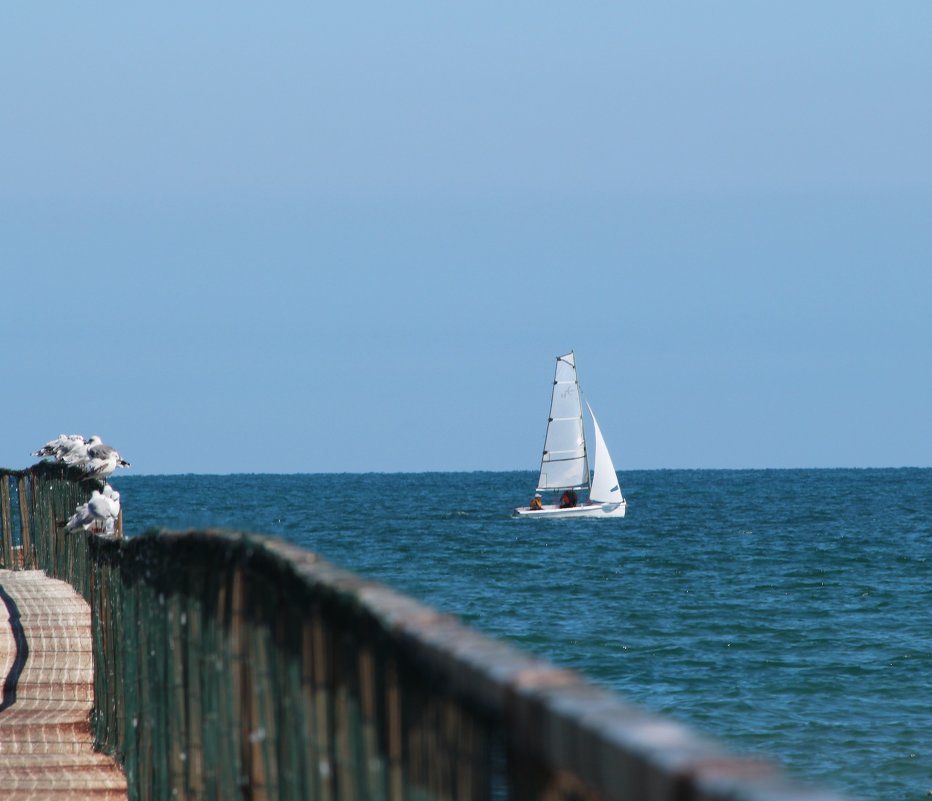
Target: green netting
column 221, row 672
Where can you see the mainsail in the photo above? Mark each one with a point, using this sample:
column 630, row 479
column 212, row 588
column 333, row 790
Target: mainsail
column 564, row 464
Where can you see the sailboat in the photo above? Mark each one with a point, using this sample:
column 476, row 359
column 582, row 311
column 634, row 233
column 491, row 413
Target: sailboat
column 564, row 466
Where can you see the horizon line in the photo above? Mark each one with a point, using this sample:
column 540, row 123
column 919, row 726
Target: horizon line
column 509, row 470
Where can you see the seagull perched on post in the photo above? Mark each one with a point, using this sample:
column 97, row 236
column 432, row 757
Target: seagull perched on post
column 102, row 459
column 99, row 514
column 103, row 467
column 62, row 447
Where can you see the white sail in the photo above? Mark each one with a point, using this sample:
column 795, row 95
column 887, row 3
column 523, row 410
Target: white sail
column 564, row 463
column 605, row 486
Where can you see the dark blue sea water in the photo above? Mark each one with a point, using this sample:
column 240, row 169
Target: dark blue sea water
column 786, row 612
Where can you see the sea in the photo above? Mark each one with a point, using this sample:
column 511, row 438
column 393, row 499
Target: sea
column 786, row 613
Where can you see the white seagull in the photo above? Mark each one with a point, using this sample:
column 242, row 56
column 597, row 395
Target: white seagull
column 96, row 449
column 99, row 514
column 62, row 447
column 102, row 459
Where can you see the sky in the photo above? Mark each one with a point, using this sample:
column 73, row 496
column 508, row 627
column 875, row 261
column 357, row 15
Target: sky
column 353, row 237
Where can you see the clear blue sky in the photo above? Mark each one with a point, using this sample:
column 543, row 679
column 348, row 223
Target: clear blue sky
column 297, row 238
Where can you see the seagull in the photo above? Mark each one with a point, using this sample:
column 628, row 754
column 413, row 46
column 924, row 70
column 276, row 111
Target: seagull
column 60, row 447
column 102, row 460
column 99, row 514
column 96, row 449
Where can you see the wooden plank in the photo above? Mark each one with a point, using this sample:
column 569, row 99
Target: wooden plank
column 6, row 522
column 28, row 554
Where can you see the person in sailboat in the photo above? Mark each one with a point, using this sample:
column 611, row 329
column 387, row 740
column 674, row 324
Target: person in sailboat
column 536, row 503
column 568, row 499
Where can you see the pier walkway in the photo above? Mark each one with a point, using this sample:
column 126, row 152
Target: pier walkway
column 46, row 665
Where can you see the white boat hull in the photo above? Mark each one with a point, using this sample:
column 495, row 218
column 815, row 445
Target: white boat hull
column 583, row 510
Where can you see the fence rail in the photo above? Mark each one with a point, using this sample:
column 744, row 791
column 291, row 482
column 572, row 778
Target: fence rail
column 232, row 665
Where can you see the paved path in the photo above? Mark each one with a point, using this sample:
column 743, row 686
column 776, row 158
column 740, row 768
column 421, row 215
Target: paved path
column 47, row 675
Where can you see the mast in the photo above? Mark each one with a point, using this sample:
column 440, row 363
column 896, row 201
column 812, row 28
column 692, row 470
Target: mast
column 564, row 464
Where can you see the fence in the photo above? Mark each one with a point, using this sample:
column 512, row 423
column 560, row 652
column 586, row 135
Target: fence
column 231, row 665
